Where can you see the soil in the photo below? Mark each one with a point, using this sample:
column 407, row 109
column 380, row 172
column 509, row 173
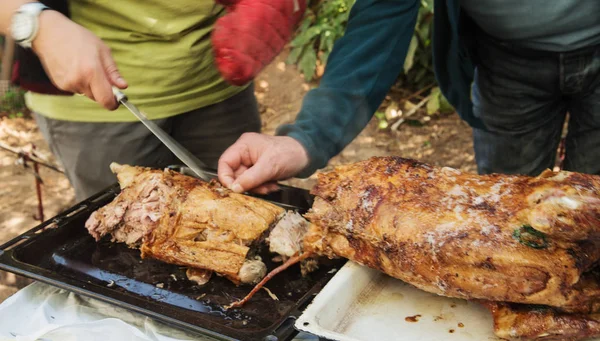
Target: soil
column 441, row 140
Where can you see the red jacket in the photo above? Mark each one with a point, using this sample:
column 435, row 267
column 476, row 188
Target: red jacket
column 252, row 34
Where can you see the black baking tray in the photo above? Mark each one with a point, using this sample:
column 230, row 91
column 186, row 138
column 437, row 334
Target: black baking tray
column 60, row 252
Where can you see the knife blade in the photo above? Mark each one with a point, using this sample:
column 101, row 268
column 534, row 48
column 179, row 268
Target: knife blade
column 183, row 154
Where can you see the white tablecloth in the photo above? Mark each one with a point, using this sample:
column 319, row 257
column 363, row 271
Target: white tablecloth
column 45, row 313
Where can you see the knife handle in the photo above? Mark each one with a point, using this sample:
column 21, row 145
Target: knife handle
column 118, row 94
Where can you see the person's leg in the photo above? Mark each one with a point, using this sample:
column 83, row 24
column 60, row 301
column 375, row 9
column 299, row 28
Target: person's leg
column 208, row 131
column 87, row 149
column 582, row 78
column 517, row 96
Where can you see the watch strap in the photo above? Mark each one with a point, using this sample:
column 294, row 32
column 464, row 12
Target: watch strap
column 33, row 9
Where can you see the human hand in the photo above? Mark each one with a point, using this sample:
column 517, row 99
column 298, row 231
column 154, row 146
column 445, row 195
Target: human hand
column 255, row 161
column 76, row 60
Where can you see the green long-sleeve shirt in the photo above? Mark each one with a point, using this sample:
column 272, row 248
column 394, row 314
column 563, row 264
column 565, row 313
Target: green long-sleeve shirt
column 366, row 62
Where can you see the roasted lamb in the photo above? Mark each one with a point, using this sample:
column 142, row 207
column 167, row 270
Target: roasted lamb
column 527, row 322
column 504, row 238
column 527, row 247
column 182, row 220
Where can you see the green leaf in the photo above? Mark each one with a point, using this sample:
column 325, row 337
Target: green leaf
column 421, row 73
column 305, row 37
column 433, row 104
column 323, row 38
column 445, row 106
column 325, row 57
column 295, row 54
column 308, row 63
column 380, row 115
column 410, row 56
column 424, row 33
column 383, row 124
column 308, row 20
column 428, row 4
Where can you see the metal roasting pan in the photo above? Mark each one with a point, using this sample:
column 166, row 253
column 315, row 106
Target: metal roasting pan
column 60, row 252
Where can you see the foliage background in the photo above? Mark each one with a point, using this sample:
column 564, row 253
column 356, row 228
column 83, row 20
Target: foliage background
column 12, row 101
column 325, row 22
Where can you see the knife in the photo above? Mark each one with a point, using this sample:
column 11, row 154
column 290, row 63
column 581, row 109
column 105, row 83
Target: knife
column 183, row 154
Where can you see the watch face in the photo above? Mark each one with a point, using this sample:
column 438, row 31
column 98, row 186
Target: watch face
column 22, row 26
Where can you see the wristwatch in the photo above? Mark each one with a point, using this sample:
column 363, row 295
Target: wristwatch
column 25, row 23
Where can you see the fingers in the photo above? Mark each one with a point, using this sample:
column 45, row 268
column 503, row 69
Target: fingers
column 87, row 91
column 254, row 161
column 111, row 70
column 102, row 90
column 106, row 75
column 255, row 176
column 229, row 163
column 96, row 80
column 226, row 174
column 76, row 60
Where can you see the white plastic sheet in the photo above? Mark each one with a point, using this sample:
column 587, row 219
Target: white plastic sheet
column 362, row 304
column 41, row 312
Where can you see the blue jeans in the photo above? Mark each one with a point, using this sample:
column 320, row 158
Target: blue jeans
column 523, row 98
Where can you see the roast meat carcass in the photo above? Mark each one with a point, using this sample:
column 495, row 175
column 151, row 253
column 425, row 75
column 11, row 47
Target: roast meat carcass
column 502, row 238
column 182, row 220
column 495, row 237
column 527, row 322
column 525, row 246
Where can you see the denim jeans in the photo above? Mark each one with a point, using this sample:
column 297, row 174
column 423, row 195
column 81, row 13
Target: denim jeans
column 523, row 97
column 87, row 149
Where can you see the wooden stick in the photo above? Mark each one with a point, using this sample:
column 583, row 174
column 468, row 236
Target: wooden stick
column 409, row 113
column 30, row 156
column 7, row 59
column 38, row 190
column 293, row 260
column 419, row 92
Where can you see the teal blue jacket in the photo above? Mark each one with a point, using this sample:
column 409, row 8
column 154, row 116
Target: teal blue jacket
column 366, row 62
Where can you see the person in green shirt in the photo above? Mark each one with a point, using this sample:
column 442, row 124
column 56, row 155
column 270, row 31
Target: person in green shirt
column 512, row 69
column 161, row 53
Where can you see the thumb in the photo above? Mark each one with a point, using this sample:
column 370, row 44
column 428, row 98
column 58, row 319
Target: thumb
column 253, row 177
column 112, row 72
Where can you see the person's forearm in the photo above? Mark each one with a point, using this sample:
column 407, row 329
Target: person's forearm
column 362, row 67
column 7, row 9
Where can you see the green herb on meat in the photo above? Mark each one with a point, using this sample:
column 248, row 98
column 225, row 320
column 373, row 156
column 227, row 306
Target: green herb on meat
column 531, row 237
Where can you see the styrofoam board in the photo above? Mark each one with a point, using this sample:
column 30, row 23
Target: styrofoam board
column 362, row 304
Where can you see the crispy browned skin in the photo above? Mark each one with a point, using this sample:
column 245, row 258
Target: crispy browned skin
column 453, row 234
column 186, row 221
column 515, row 321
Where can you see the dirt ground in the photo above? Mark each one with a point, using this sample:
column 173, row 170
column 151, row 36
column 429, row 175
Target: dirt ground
column 441, row 140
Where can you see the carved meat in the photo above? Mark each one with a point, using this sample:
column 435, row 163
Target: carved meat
column 496, row 238
column 514, row 321
column 493, row 237
column 186, row 221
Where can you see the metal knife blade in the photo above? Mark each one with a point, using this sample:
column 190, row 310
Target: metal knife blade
column 183, row 154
